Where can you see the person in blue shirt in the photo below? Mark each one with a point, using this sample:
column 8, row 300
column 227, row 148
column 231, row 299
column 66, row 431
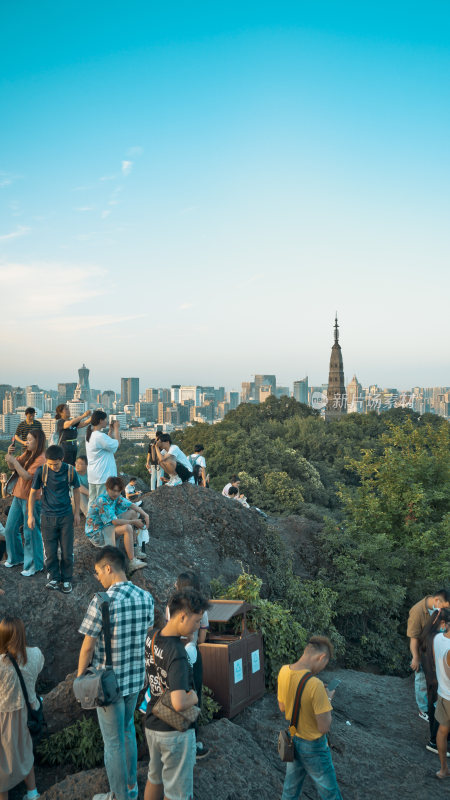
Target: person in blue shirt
column 55, row 478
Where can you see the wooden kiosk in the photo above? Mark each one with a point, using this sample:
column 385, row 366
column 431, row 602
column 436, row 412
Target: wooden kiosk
column 233, row 664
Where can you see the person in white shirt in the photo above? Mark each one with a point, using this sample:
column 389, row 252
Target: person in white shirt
column 100, row 449
column 164, row 447
column 234, row 481
column 441, row 649
column 198, row 464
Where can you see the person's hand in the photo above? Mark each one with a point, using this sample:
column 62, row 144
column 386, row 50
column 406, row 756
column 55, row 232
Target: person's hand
column 138, row 523
column 415, row 663
column 76, row 518
column 31, row 523
column 11, row 449
column 3, row 477
column 192, row 693
column 331, row 694
column 146, row 518
column 87, row 413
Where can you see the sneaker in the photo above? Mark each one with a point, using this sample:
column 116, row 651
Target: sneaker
column 107, row 796
column 432, row 747
column 52, row 585
column 27, row 573
column 8, row 564
column 66, row 587
column 31, row 797
column 135, row 564
column 423, row 715
column 202, row 750
column 139, row 503
column 140, row 554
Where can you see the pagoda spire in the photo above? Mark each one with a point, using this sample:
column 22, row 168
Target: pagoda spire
column 337, row 396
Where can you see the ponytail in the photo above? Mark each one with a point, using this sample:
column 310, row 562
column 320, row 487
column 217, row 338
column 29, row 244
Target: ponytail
column 97, row 416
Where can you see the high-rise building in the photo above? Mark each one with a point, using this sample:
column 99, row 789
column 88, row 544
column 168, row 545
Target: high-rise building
column 129, row 391
column 247, row 391
column 191, row 393
column 151, row 396
column 336, row 395
column 107, row 399
column 301, row 390
column 36, row 400
column 265, row 380
column 82, row 391
column 355, row 399
column 175, row 393
column 234, row 400
column 4, row 387
column 8, row 403
column 66, row 392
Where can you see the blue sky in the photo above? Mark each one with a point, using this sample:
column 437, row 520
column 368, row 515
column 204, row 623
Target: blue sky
column 189, row 192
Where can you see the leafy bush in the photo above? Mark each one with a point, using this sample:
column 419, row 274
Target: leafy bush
column 80, row 744
column 209, row 706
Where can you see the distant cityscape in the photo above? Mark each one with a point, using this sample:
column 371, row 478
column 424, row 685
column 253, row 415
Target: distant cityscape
column 140, row 414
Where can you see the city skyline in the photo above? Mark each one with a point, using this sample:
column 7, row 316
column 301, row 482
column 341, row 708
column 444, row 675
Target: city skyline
column 192, row 191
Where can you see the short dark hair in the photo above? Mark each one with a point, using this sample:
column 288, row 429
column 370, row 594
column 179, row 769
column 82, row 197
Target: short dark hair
column 234, row 478
column 198, row 448
column 188, row 578
column 133, row 479
column 189, row 600
column 444, row 593
column 232, row 491
column 112, row 556
column 321, row 644
column 113, row 482
column 82, row 458
column 165, row 438
column 54, row 453
column 30, row 410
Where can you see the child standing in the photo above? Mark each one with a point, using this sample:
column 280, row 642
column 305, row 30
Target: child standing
column 55, row 478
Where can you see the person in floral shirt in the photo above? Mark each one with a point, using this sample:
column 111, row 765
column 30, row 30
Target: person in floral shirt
column 112, row 515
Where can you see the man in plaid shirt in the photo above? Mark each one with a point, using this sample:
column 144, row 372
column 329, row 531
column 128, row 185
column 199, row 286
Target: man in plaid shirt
column 131, row 611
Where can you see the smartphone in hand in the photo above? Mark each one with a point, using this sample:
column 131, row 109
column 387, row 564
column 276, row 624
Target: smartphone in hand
column 333, row 684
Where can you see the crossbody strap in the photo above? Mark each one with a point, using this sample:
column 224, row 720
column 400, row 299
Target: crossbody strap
column 298, row 698
column 105, row 598
column 22, row 682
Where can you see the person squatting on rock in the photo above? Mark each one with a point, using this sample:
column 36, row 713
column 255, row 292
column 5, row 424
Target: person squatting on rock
column 112, row 515
column 67, row 431
column 312, row 752
column 418, row 617
column 164, row 447
column 100, row 449
column 172, row 753
column 131, row 611
column 16, row 746
column 31, row 553
column 441, row 650
column 56, row 478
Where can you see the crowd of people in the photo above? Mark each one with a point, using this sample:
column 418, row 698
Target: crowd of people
column 150, row 660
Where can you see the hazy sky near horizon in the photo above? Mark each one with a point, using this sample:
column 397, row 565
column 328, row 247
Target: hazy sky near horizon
column 189, row 191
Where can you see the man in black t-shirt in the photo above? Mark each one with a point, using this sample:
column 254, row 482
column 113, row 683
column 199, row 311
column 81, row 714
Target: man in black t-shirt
column 172, row 753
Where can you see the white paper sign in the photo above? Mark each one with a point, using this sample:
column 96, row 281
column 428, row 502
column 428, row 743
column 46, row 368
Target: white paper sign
column 256, row 666
column 238, row 672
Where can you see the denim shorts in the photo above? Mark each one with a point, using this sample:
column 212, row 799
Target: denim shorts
column 172, row 761
column 103, row 537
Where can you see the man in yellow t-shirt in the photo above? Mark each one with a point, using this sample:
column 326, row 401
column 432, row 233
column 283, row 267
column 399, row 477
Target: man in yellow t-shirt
column 312, row 754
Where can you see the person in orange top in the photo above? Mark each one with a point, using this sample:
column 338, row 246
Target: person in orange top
column 312, row 753
column 32, row 551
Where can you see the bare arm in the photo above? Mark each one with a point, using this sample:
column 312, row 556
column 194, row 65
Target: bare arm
column 86, row 653
column 414, row 647
column 83, row 490
column 203, row 474
column 182, row 700
column 202, row 635
column 281, row 706
column 31, row 504
column 323, row 721
column 21, row 441
column 14, row 463
column 76, row 503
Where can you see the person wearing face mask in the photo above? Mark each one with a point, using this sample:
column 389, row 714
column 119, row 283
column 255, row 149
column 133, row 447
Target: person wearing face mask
column 418, row 617
column 436, row 623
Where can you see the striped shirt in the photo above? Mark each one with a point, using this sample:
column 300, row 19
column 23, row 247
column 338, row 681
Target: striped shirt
column 131, row 611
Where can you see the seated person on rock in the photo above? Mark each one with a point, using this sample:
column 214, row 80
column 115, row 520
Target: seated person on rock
column 112, row 515
column 81, row 469
column 131, row 491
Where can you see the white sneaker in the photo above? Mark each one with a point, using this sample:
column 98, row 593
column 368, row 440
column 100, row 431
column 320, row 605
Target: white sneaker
column 135, row 564
column 139, row 503
column 8, row 564
column 140, row 554
column 27, row 573
column 107, row 796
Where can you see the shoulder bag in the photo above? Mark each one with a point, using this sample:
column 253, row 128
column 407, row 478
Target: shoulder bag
column 285, row 743
column 98, row 686
column 36, row 721
column 164, row 710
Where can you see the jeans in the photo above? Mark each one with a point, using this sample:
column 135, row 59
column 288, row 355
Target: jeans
column 420, row 688
column 312, row 758
column 58, row 531
column 31, row 552
column 119, row 738
column 155, row 476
